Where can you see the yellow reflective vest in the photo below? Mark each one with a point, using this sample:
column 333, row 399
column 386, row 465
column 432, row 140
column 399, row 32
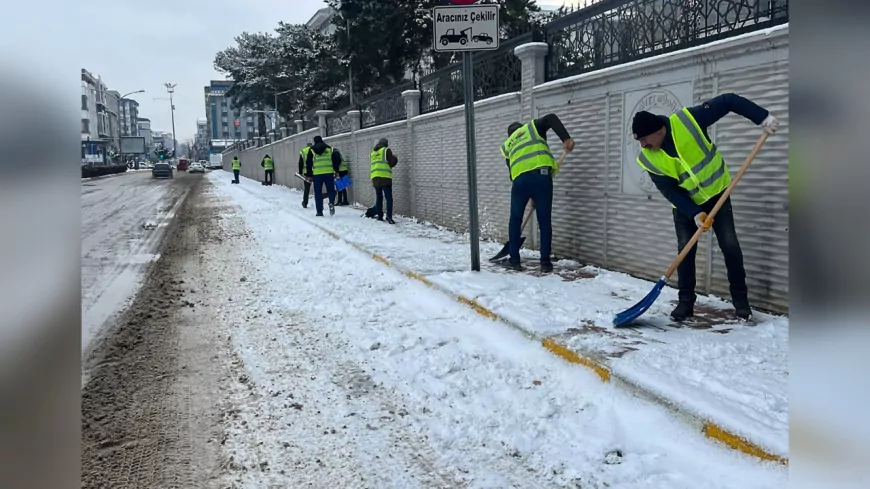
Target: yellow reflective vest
column 698, row 167
column 237, row 165
column 526, row 150
column 268, row 164
column 380, row 166
column 322, row 163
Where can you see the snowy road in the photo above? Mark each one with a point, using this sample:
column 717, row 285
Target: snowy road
column 261, row 352
column 123, row 221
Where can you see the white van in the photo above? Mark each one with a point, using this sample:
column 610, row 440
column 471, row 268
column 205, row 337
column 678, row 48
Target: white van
column 215, row 161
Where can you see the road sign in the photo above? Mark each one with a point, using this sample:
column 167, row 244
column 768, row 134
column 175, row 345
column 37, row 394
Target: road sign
column 237, row 123
column 471, row 28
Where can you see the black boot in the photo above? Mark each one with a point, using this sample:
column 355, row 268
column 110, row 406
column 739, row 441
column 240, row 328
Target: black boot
column 513, row 265
column 331, row 209
column 546, row 266
column 683, row 310
column 741, row 308
column 390, row 220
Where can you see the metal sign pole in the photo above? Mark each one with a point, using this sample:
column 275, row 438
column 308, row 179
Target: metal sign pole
column 473, row 223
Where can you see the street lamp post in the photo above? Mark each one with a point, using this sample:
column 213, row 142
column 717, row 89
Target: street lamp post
column 170, row 87
column 120, row 146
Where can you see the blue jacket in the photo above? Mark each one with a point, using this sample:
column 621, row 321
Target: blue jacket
column 706, row 115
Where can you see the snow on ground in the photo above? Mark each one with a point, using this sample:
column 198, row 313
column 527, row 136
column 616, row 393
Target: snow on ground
column 446, row 397
column 123, row 221
column 734, row 374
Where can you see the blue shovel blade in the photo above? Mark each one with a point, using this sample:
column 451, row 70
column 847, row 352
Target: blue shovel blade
column 638, row 309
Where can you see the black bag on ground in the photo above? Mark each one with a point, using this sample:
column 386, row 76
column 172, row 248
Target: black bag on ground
column 371, row 213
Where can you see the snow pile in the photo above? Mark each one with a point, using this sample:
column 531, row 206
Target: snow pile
column 441, row 396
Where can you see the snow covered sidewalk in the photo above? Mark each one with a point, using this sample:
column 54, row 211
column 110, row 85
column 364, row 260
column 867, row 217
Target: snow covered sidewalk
column 474, row 382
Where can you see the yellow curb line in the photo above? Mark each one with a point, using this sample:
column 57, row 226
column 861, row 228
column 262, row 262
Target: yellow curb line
column 709, row 429
column 572, row 357
column 737, row 442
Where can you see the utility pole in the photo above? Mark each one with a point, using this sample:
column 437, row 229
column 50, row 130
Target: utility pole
column 349, row 64
column 170, row 87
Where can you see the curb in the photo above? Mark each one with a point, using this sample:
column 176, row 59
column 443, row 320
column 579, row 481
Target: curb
column 705, row 426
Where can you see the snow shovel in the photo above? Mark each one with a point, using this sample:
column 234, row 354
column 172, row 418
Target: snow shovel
column 507, row 246
column 638, row 309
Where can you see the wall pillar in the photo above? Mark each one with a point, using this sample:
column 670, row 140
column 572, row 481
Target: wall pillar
column 412, row 109
column 355, row 120
column 321, row 121
column 300, row 126
column 533, row 56
column 284, row 132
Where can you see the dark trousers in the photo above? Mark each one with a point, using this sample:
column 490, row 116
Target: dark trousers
column 319, row 181
column 726, row 235
column 306, row 191
column 270, row 176
column 385, row 192
column 342, row 194
column 537, row 186
column 236, row 176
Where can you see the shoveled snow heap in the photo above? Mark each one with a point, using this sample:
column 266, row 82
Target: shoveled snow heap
column 465, row 400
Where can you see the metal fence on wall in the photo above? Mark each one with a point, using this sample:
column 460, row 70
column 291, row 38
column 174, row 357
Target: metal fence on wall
column 388, row 106
column 613, row 32
column 495, row 72
column 606, row 33
column 339, row 122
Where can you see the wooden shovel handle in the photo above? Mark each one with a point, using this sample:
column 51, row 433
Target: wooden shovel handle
column 718, row 206
column 532, row 209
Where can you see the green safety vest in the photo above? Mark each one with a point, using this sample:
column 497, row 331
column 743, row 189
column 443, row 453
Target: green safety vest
column 343, row 165
column 322, row 163
column 699, row 166
column 380, row 166
column 526, row 150
column 237, row 165
column 268, row 164
column 304, row 152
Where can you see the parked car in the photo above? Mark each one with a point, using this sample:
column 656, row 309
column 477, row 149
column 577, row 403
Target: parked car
column 196, row 167
column 482, row 37
column 162, row 169
column 183, row 164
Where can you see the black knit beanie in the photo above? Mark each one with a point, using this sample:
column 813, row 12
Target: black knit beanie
column 645, row 123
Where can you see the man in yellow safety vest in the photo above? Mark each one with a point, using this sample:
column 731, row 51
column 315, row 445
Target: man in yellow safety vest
column 532, row 168
column 321, row 169
column 383, row 161
column 237, row 167
column 687, row 168
column 269, row 167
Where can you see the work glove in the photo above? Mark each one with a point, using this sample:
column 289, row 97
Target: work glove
column 769, row 124
column 568, row 144
column 702, row 221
